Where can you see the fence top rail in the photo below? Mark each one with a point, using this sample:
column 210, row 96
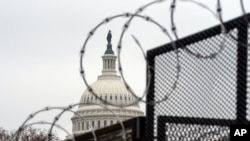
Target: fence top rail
column 201, row 35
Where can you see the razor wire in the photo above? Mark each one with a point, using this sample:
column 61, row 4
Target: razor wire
column 40, row 123
column 67, row 109
column 81, row 118
column 217, row 15
column 78, row 104
column 119, row 47
column 91, row 33
column 46, row 109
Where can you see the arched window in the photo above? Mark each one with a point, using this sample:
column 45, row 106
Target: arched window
column 82, row 125
column 93, row 124
column 105, row 123
column 87, row 125
column 105, row 97
column 108, row 64
column 111, row 97
column 99, row 123
column 78, row 126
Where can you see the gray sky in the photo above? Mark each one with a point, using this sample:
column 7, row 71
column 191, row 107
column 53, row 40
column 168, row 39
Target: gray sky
column 40, row 41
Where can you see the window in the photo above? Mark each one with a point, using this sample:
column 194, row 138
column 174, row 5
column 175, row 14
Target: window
column 78, row 126
column 93, row 124
column 87, row 125
column 111, row 122
column 111, row 97
column 105, row 97
column 99, row 124
column 105, row 122
column 82, row 125
column 121, row 97
column 125, row 98
column 115, row 97
column 108, row 64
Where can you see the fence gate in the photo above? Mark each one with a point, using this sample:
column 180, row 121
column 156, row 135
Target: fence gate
column 200, row 85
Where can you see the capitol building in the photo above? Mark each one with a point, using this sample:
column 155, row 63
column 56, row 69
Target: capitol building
column 109, row 87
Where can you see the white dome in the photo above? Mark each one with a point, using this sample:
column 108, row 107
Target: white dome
column 110, row 89
column 108, row 86
column 113, row 90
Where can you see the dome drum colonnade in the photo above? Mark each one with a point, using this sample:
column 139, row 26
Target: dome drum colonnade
column 108, row 87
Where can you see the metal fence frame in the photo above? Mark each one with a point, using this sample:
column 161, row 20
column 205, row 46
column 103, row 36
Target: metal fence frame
column 134, row 129
column 241, row 24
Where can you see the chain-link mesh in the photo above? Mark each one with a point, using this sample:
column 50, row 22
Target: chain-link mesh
column 203, row 86
column 176, row 132
column 209, row 93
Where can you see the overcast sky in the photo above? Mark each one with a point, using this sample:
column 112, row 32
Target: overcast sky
column 40, row 41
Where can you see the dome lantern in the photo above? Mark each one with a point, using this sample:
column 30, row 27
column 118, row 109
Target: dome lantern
column 109, row 59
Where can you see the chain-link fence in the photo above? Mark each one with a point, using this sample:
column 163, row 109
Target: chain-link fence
column 203, row 95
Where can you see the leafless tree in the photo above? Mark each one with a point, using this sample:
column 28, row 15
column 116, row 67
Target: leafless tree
column 30, row 134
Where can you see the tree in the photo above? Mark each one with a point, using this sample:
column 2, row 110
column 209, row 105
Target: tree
column 30, row 134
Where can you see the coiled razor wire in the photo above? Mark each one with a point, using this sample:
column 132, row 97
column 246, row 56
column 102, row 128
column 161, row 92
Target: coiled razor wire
column 81, row 119
column 217, row 15
column 224, row 32
column 68, row 109
column 123, row 132
column 219, row 12
column 31, row 116
column 173, row 5
column 119, row 47
column 42, row 123
column 91, row 33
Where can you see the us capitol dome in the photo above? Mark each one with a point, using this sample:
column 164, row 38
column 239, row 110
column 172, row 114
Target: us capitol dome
column 109, row 87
